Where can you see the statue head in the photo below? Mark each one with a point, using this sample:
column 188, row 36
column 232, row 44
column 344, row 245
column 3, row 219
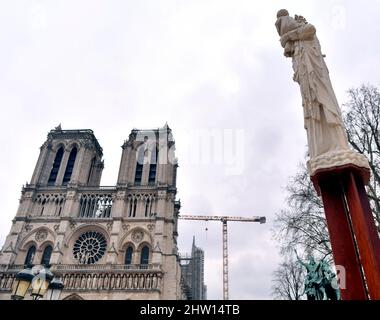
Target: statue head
column 282, row 13
column 312, row 260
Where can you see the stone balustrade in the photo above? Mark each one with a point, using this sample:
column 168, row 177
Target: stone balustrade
column 96, row 277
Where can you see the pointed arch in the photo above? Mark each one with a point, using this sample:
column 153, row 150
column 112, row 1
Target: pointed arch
column 92, row 170
column 70, row 166
column 55, row 168
column 30, row 255
column 128, row 255
column 132, row 206
column 139, row 164
column 45, row 260
column 144, row 256
column 73, row 296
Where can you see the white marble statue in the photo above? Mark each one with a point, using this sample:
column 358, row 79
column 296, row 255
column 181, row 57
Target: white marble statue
column 327, row 139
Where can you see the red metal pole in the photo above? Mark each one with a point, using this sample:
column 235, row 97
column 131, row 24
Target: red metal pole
column 342, row 241
column 365, row 232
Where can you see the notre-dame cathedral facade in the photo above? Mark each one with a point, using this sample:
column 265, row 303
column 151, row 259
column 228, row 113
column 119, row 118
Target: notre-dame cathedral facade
column 116, row 242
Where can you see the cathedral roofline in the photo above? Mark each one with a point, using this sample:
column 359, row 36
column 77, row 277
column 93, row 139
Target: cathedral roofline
column 155, row 130
column 58, row 133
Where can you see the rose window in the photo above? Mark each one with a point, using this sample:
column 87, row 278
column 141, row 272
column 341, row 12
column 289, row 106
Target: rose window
column 90, row 247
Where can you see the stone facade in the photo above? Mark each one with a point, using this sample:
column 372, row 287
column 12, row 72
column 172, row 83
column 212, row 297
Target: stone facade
column 116, row 242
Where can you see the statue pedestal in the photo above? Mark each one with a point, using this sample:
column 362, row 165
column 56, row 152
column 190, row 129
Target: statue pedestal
column 354, row 238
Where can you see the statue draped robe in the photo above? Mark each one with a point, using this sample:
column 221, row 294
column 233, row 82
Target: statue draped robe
column 323, row 120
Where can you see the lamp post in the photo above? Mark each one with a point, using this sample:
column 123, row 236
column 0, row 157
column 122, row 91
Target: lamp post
column 54, row 290
column 22, row 283
column 41, row 282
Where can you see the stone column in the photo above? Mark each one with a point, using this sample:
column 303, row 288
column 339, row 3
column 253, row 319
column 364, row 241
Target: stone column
column 161, row 203
column 40, row 164
column 131, row 165
column 78, row 167
column 113, row 252
column 124, row 165
column 140, row 207
column 71, row 207
column 10, row 250
column 161, row 163
column 119, row 204
column 158, row 242
column 46, row 170
column 26, row 204
column 58, row 250
column 145, row 173
column 84, row 174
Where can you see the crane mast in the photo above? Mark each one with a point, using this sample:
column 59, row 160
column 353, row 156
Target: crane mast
column 224, row 220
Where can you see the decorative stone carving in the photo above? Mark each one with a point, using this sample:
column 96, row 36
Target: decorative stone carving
column 137, row 236
column 326, row 135
column 28, row 195
column 112, row 249
column 336, row 158
column 109, row 225
column 71, row 195
column 161, row 195
column 157, row 247
column 56, row 227
column 28, row 227
column 9, row 248
column 125, row 227
column 88, row 145
column 57, row 248
column 150, row 227
column 120, row 195
column 41, row 235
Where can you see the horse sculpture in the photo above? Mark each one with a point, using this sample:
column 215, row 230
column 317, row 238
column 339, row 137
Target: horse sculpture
column 320, row 282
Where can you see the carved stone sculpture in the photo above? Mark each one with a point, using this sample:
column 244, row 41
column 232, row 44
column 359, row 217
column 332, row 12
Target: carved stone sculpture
column 327, row 139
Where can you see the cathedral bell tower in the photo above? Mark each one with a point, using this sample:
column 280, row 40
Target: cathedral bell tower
column 68, row 158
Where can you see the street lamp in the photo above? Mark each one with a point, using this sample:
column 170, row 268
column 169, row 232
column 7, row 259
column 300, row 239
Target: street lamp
column 54, row 290
column 42, row 282
column 22, row 283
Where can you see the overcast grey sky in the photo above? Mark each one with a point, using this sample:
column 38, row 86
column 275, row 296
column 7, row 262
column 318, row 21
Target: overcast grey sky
column 205, row 67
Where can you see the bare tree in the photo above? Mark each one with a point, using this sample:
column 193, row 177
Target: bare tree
column 288, row 281
column 302, row 224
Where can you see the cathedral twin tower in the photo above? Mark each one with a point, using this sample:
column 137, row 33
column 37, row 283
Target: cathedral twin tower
column 103, row 242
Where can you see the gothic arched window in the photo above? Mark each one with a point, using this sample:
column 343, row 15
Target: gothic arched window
column 70, row 166
column 153, row 166
column 132, row 207
column 46, row 255
column 128, row 255
column 55, row 168
column 139, row 165
column 144, row 258
column 30, row 255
